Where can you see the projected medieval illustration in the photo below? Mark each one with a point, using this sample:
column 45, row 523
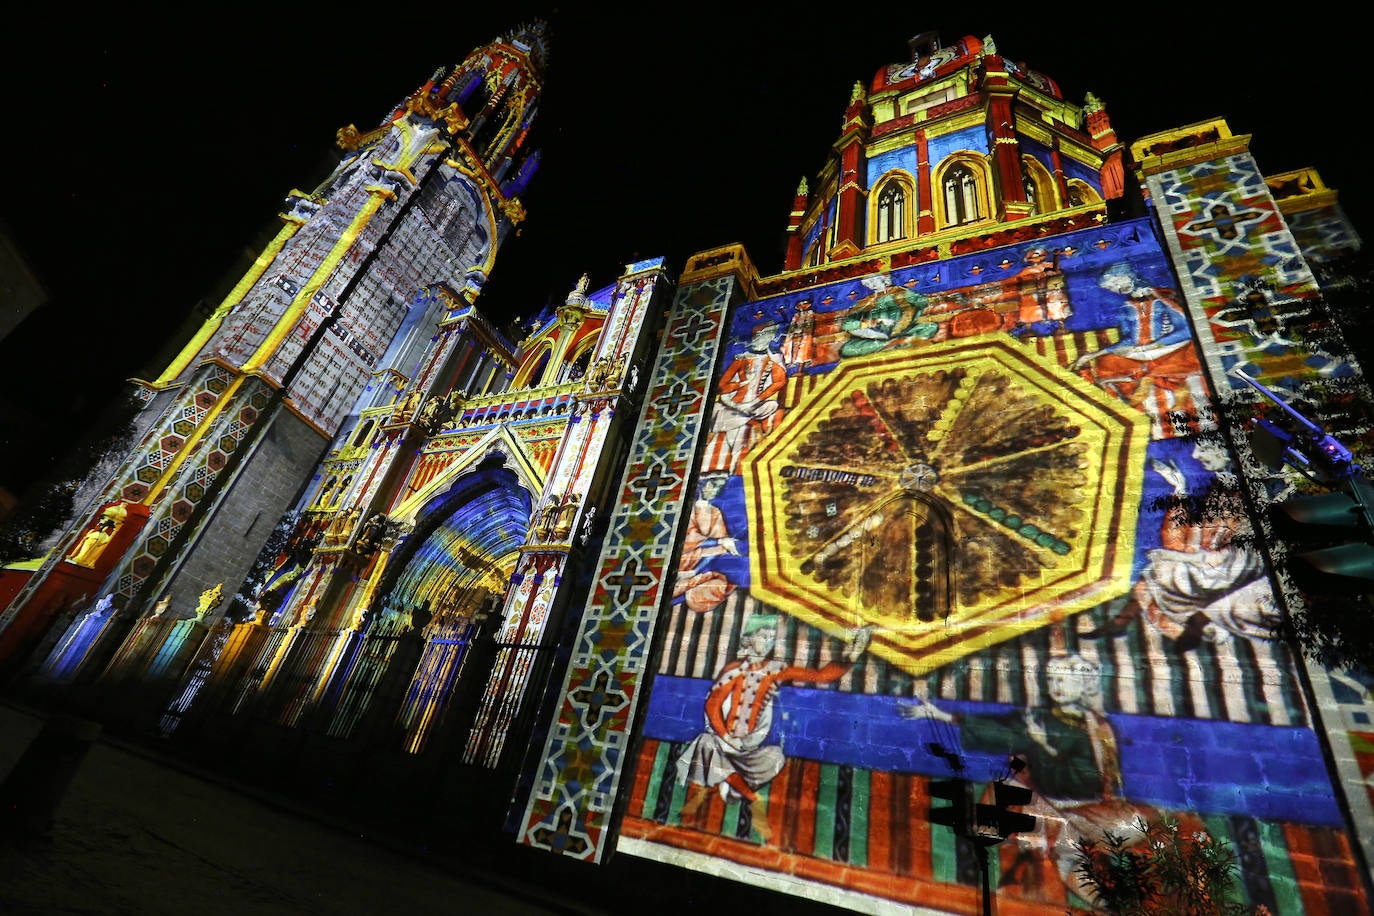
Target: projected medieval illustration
column 878, row 578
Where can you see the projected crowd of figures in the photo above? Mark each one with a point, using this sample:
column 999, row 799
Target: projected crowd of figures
column 941, row 519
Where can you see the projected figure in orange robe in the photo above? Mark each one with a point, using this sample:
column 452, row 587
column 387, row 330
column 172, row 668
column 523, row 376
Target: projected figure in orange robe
column 700, row 588
column 1042, row 296
column 731, row 755
column 747, row 405
column 1154, row 365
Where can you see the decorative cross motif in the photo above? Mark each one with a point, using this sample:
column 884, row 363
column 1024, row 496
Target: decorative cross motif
column 648, row 485
column 671, row 400
column 598, row 696
column 626, row 582
column 1224, row 222
column 691, row 329
column 560, row 838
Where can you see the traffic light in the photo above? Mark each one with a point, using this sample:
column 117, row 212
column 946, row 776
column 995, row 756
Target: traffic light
column 999, row 816
column 1329, row 539
column 956, row 814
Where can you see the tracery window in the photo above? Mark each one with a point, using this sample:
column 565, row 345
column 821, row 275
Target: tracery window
column 962, row 204
column 890, row 215
column 1039, row 186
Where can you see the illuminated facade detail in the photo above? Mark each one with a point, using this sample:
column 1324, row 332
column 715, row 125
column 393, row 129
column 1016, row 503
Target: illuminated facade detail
column 963, row 200
column 892, row 210
column 238, row 418
column 724, row 572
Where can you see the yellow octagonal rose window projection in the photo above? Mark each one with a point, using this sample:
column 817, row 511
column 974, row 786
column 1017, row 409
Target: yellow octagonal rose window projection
column 951, row 497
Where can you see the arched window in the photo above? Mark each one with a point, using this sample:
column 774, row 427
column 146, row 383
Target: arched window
column 1039, row 185
column 962, row 203
column 1032, row 192
column 1081, row 193
column 890, row 214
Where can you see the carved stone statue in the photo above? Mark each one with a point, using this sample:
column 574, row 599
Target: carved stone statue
column 615, row 372
column 596, row 374
column 373, row 531
column 102, row 607
column 406, row 407
column 567, row 515
column 588, row 521
column 209, row 600
column 544, row 522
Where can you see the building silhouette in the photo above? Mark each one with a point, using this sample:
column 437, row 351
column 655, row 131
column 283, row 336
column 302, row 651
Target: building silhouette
column 726, row 569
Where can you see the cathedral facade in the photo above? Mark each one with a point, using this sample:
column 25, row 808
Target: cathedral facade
column 734, row 571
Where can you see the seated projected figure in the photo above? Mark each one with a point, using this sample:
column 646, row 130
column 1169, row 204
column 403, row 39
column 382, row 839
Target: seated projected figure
column 731, row 755
column 1206, row 579
column 887, row 315
column 1153, row 365
column 699, row 587
column 1073, row 762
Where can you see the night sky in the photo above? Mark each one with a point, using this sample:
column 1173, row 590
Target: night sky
column 149, row 156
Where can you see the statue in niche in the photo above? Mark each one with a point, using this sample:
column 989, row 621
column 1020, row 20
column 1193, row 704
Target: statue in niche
column 428, row 417
column 616, row 372
column 597, row 374
column 544, row 522
column 102, row 607
column 567, row 515
column 406, row 407
column 94, row 542
column 372, row 534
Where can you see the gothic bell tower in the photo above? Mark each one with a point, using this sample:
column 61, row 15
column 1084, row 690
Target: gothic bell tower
column 239, row 419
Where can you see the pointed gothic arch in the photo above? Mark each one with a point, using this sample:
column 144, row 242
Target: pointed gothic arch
column 463, row 546
column 531, row 371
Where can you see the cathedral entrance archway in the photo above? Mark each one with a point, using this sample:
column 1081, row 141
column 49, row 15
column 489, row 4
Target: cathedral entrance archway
column 450, row 575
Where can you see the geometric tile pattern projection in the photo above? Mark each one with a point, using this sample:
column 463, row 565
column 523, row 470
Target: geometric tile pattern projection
column 156, row 452
column 185, row 417
column 1248, row 287
column 570, row 806
column 1243, row 270
column 981, row 444
column 196, row 479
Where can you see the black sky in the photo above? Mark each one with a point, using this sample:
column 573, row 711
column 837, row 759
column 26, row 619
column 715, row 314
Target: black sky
column 148, row 153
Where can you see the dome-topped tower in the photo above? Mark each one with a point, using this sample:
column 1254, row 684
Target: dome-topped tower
column 946, row 144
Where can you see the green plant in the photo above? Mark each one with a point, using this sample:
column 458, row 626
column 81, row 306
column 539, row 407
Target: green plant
column 1164, row 870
